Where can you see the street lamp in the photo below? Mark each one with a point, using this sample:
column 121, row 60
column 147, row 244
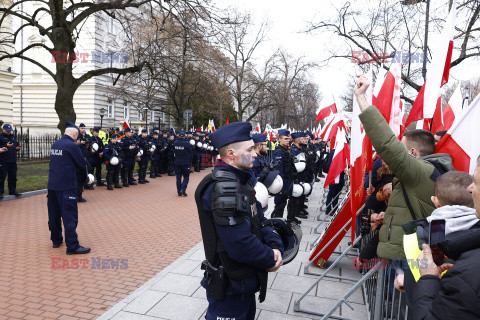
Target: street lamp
column 410, row 2
column 102, row 114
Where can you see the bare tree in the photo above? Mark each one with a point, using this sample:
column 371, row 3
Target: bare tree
column 374, row 32
column 59, row 24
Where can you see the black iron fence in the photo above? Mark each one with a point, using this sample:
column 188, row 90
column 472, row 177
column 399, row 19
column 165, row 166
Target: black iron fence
column 34, row 147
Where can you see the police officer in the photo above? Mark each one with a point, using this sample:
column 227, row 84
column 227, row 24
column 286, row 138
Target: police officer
column 130, row 150
column 284, row 164
column 162, row 167
column 113, row 151
column 155, row 163
column 296, row 204
column 196, row 153
column 145, row 145
column 83, row 142
column 171, row 155
column 261, row 150
column 96, row 156
column 239, row 251
column 9, row 147
column 183, row 158
column 65, row 160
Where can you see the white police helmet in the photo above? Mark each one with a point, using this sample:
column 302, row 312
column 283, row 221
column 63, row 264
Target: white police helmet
column 95, row 146
column 192, row 142
column 307, row 188
column 91, row 178
column 318, row 153
column 205, row 145
column 297, row 190
column 114, row 161
column 261, row 193
column 199, row 144
column 140, row 153
column 300, row 162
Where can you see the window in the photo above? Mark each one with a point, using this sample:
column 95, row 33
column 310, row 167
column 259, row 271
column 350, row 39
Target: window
column 152, row 116
column 140, row 114
column 126, row 111
column 109, row 108
column 110, row 24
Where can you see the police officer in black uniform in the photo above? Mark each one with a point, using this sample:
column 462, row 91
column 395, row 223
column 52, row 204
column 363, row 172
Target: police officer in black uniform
column 9, row 147
column 83, row 142
column 183, row 159
column 96, row 156
column 130, row 150
column 283, row 160
column 296, row 204
column 65, row 160
column 260, row 140
column 155, row 162
column 111, row 153
column 171, row 154
column 145, row 145
column 239, row 251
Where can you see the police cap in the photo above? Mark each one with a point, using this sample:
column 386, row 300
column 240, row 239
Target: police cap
column 8, row 127
column 283, row 132
column 82, row 125
column 127, row 130
column 68, row 124
column 181, row 134
column 300, row 134
column 259, row 137
column 97, row 129
column 234, row 132
column 144, row 131
column 114, row 136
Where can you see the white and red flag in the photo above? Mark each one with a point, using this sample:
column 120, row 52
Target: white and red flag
column 461, row 141
column 327, row 111
column 340, row 158
column 438, row 72
column 125, row 123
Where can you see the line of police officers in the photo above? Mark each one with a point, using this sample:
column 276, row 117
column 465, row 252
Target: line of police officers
column 155, row 152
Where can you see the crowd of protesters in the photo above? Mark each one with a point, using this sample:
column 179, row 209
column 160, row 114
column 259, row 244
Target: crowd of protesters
column 410, row 189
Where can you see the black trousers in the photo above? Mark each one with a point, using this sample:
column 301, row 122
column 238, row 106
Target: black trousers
column 8, row 169
column 97, row 168
column 113, row 175
column 127, row 170
column 171, row 165
column 162, row 165
column 81, row 181
column 154, row 168
column 142, row 170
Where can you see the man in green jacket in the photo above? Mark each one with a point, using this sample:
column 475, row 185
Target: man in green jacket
column 416, row 169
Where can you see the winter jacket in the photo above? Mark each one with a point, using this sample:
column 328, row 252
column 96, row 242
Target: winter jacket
column 417, row 175
column 457, row 294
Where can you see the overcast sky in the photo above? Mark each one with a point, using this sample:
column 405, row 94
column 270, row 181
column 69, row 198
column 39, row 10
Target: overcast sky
column 288, row 20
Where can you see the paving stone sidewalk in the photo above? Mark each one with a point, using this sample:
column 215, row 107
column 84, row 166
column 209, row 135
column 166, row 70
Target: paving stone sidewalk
column 175, row 293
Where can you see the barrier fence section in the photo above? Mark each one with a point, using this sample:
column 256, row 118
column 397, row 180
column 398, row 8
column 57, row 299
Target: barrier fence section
column 34, row 147
column 383, row 301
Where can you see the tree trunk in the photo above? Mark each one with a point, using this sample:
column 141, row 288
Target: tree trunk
column 64, row 106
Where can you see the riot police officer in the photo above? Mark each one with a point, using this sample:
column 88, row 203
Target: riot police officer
column 130, row 150
column 239, row 251
column 8, row 160
column 171, row 155
column 260, row 140
column 65, row 159
column 96, row 156
column 196, row 152
column 113, row 156
column 155, row 163
column 145, row 146
column 183, row 158
column 83, row 142
column 296, row 204
column 284, row 164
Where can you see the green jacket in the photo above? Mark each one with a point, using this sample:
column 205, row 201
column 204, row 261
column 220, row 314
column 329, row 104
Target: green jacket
column 415, row 174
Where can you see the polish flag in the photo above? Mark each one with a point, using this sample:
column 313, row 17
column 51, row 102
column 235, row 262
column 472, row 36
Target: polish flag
column 453, row 110
column 257, row 128
column 437, row 123
column 461, row 141
column 125, row 123
column 228, row 121
column 326, row 128
column 332, row 127
column 358, row 156
column 438, row 72
column 327, row 111
column 340, row 158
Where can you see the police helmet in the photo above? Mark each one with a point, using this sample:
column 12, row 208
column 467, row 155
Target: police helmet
column 205, row 146
column 297, row 190
column 91, row 178
column 192, row 142
column 318, row 153
column 261, row 194
column 199, row 144
column 300, row 162
column 95, row 146
column 114, row 161
column 274, row 182
column 307, row 188
column 291, row 235
column 140, row 153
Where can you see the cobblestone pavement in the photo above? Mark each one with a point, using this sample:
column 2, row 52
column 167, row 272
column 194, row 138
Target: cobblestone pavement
column 176, row 294
column 148, row 226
